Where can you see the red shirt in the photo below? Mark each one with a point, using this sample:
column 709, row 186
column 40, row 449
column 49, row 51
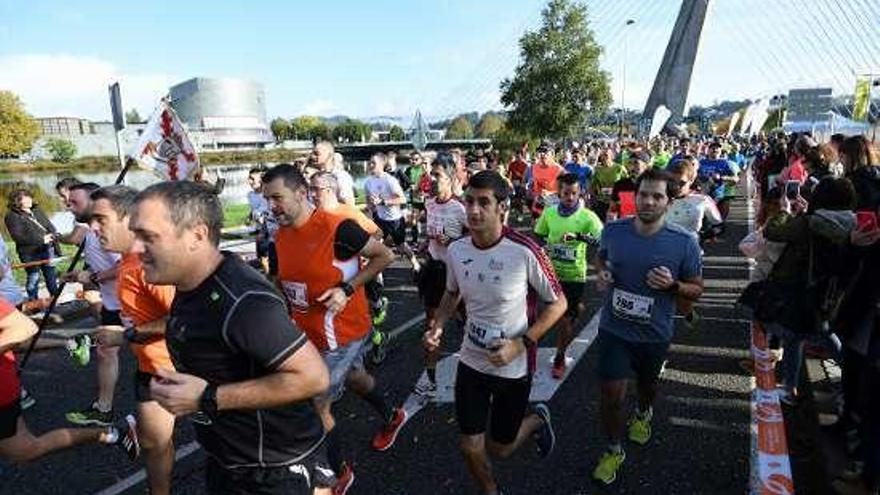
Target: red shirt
column 516, row 170
column 9, row 384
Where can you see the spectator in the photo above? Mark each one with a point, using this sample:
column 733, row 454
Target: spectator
column 35, row 240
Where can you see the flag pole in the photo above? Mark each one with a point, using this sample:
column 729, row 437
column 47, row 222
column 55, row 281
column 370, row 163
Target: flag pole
column 57, row 294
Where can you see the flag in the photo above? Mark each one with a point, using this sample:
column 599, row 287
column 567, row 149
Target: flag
column 661, row 116
column 733, row 121
column 164, row 148
column 862, row 98
column 759, row 118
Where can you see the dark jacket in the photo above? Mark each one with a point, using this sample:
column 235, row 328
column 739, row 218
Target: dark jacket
column 27, row 235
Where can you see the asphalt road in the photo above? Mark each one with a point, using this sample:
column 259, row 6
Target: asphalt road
column 701, row 419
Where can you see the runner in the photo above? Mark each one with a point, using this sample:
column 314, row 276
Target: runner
column 543, row 179
column 447, row 222
column 324, row 157
column 606, row 174
column 385, row 198
column 17, row 443
column 414, row 173
column 578, row 166
column 321, row 275
column 244, row 367
column 101, row 273
column 145, row 309
column 691, row 209
column 516, row 172
column 262, row 220
column 623, row 193
column 715, row 173
column 646, row 263
column 567, row 229
column 493, row 271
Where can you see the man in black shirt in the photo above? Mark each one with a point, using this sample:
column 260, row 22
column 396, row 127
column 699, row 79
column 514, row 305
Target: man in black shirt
column 245, row 371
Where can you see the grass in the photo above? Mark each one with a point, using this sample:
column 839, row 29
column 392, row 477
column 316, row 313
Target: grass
column 235, row 215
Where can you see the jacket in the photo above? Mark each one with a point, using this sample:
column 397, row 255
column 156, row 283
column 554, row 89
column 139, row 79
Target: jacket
column 27, row 235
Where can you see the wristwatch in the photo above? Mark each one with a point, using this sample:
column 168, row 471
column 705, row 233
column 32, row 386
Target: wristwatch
column 93, row 278
column 346, row 287
column 208, row 401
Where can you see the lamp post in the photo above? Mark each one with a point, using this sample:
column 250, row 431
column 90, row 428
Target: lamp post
column 629, row 22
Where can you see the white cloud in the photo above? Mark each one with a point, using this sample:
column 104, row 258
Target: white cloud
column 76, row 86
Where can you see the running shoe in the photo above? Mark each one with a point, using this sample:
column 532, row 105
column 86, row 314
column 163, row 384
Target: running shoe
column 80, row 349
column 558, row 370
column 90, row 417
column 26, row 401
column 640, row 429
column 385, row 437
column 380, row 313
column 344, row 480
column 609, row 464
column 545, row 437
column 127, row 437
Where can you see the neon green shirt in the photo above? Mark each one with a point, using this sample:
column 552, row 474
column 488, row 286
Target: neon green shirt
column 569, row 258
column 662, row 159
column 604, row 179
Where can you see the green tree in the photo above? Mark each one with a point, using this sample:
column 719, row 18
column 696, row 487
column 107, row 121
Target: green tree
column 281, row 128
column 490, row 124
column 133, row 117
column 321, row 132
column 18, row 130
column 304, row 126
column 460, row 128
column 61, row 150
column 396, row 133
column 352, row 131
column 558, row 81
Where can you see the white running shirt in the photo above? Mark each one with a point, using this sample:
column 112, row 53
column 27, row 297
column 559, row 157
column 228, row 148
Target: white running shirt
column 692, row 210
column 447, row 218
column 385, row 186
column 100, row 260
column 499, row 285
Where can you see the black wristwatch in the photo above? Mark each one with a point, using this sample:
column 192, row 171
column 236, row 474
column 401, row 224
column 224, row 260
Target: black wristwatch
column 208, row 402
column 347, row 288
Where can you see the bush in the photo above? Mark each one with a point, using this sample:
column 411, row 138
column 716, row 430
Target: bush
column 61, row 150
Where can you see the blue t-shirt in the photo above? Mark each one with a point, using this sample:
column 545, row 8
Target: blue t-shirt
column 633, row 311
column 584, row 173
column 709, row 169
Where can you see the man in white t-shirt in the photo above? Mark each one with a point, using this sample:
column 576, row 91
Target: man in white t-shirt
column 326, row 159
column 691, row 209
column 493, row 270
column 263, row 220
column 385, row 198
column 101, row 272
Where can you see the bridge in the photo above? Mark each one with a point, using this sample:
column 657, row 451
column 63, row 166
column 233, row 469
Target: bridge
column 362, row 151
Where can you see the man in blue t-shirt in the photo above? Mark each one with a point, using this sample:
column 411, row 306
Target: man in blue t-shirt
column 719, row 177
column 579, row 167
column 643, row 264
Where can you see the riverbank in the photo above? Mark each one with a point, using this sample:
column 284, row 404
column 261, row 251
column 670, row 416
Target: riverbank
column 109, row 163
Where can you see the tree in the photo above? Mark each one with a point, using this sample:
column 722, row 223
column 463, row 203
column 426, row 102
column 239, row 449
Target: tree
column 61, row 150
column 460, row 128
column 304, row 126
column 133, row 117
column 281, row 128
column 558, row 81
column 396, row 133
column 490, row 124
column 18, row 130
column 351, row 130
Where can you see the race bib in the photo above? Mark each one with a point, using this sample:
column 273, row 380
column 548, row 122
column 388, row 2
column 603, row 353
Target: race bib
column 435, row 228
column 483, row 334
column 296, row 294
column 563, row 252
column 633, row 307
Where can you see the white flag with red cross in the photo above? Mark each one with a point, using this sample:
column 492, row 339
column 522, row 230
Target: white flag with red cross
column 165, row 148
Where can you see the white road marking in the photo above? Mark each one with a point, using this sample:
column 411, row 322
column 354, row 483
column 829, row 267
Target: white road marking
column 139, row 477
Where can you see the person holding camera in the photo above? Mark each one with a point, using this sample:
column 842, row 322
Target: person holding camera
column 35, row 241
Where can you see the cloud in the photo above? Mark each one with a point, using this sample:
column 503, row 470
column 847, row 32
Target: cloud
column 76, row 86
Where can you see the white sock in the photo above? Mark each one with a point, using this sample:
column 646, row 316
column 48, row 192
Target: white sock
column 112, row 435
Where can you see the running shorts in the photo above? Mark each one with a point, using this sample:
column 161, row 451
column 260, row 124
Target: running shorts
column 482, row 398
column 621, row 359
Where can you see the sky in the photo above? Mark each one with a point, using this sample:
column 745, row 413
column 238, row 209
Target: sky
column 382, row 57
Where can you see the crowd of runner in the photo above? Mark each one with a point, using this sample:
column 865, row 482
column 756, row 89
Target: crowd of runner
column 256, row 353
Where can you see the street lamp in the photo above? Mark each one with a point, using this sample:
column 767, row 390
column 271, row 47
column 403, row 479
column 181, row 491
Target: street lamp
column 629, row 22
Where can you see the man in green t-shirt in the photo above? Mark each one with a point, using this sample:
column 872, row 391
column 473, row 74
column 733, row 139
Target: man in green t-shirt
column 567, row 228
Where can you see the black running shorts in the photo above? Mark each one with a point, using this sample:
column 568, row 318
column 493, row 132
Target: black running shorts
column 479, row 396
column 9, row 419
column 621, row 359
column 300, row 478
column 432, row 283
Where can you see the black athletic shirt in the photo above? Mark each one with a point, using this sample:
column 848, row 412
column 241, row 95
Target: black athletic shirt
column 231, row 328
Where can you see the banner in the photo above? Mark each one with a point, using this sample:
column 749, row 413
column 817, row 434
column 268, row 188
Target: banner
column 164, row 148
column 658, row 122
column 748, row 116
column 760, row 116
column 733, row 121
column 862, row 98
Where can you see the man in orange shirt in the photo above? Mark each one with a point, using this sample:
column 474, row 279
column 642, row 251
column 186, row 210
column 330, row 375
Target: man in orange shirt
column 543, row 184
column 320, row 273
column 145, row 308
